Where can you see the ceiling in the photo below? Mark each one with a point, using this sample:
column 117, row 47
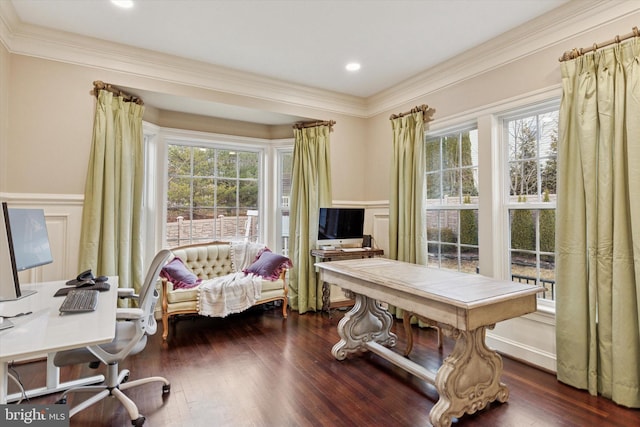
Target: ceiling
column 305, row 42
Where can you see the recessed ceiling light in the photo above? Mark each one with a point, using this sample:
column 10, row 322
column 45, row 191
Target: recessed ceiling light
column 125, row 4
column 352, row 66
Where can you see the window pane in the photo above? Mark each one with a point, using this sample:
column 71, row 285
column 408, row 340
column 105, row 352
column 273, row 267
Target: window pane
column 203, row 192
column 433, row 257
column 548, row 177
column 452, row 181
column 433, row 187
column 469, row 182
column 451, row 186
column 523, row 138
column 548, row 276
column 179, row 192
column 227, row 164
column 449, row 226
column 248, row 193
column 449, row 257
column 433, row 225
column 548, row 134
column 203, row 161
column 450, row 152
column 209, row 205
column 432, row 151
column 524, row 178
column 248, row 165
column 227, row 192
column 179, row 160
column 469, row 148
column 469, row 227
column 523, row 267
column 469, row 260
column 547, row 230
column 523, row 230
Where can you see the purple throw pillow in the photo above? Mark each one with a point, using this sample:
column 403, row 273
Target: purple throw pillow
column 179, row 274
column 269, row 266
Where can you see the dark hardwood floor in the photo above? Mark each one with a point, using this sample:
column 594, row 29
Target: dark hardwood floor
column 256, row 369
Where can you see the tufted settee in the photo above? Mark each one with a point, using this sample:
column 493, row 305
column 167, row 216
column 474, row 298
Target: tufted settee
column 208, row 261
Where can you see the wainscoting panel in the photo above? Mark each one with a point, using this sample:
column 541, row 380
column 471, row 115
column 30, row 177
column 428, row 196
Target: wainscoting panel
column 63, row 214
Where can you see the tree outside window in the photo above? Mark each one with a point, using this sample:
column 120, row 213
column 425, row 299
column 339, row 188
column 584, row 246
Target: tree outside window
column 452, row 200
column 532, row 153
column 212, row 194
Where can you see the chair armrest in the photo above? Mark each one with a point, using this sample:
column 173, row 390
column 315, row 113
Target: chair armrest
column 126, row 293
column 129, row 313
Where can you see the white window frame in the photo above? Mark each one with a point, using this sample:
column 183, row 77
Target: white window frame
column 159, row 138
column 455, row 207
column 502, row 119
column 492, row 237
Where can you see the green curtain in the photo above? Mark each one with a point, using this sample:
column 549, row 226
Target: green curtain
column 310, row 190
column 111, row 235
column 598, row 225
column 407, row 216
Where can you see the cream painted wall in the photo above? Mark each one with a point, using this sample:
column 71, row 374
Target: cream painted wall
column 51, row 119
column 4, row 115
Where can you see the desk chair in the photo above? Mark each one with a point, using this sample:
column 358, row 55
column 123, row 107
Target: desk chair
column 132, row 328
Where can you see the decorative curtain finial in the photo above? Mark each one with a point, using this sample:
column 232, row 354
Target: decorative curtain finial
column 426, row 112
column 100, row 85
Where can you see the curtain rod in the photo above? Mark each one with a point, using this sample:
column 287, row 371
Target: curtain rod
column 303, row 125
column 100, row 85
column 426, row 111
column 574, row 53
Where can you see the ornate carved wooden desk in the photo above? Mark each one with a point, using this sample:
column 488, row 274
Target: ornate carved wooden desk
column 463, row 305
column 337, row 255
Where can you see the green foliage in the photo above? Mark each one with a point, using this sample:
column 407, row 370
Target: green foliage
column 468, row 224
column 522, row 228
column 447, row 235
column 449, row 161
column 547, row 227
column 208, row 182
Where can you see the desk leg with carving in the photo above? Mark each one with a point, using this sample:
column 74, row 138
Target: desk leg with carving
column 367, row 321
column 468, row 379
column 326, row 295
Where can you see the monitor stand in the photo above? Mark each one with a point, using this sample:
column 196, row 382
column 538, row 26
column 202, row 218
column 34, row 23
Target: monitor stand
column 23, row 294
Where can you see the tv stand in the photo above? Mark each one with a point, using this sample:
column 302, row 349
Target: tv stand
column 338, row 254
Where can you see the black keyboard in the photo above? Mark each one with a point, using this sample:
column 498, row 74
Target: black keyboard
column 79, row 301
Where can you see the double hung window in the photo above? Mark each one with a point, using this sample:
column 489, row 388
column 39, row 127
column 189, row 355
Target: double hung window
column 452, row 200
column 532, row 144
column 212, row 193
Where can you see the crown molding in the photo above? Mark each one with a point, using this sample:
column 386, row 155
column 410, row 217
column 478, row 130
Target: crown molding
column 548, row 30
column 30, row 40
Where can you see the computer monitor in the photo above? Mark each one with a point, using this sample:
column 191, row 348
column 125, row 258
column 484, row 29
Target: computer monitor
column 25, row 245
column 340, row 227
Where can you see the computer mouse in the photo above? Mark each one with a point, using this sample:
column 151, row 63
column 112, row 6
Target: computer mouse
column 101, row 279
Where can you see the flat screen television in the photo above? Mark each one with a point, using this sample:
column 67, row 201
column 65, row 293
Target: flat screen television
column 340, row 227
column 25, row 245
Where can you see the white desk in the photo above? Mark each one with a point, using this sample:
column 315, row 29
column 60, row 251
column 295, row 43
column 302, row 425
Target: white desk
column 45, row 331
column 462, row 305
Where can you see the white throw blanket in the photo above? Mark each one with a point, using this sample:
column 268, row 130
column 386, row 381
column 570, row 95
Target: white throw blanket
column 244, row 253
column 228, row 294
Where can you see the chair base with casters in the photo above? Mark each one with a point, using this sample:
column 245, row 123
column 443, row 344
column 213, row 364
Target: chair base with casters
column 115, row 382
column 133, row 325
